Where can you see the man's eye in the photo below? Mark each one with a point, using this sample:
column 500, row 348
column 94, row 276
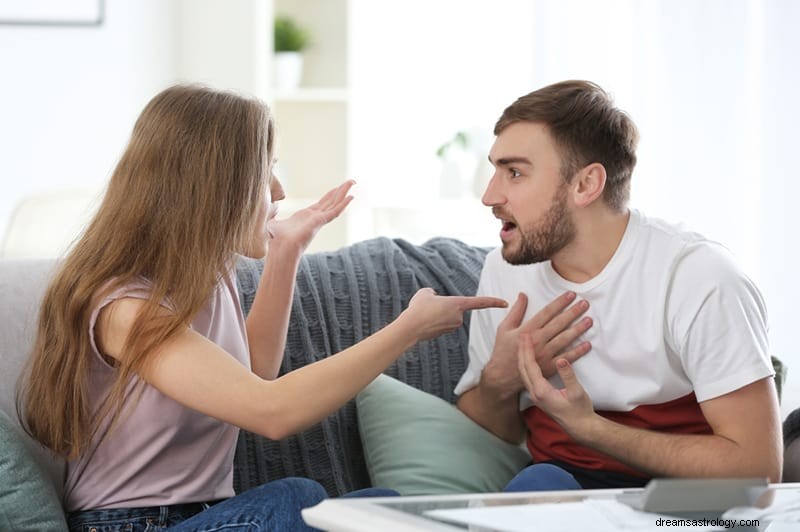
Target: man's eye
column 514, row 172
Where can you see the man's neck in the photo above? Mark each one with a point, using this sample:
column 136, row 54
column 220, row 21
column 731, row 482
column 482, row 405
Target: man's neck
column 598, row 235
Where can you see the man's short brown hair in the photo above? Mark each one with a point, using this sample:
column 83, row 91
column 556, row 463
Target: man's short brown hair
column 587, row 128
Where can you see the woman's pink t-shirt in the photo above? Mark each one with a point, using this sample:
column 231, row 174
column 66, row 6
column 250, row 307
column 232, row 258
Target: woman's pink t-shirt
column 161, row 452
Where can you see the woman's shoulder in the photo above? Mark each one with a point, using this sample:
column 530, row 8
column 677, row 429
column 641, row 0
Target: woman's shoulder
column 116, row 305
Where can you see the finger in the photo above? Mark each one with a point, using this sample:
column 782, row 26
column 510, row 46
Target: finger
column 326, row 199
column 523, row 372
column 334, row 211
column 523, row 352
column 527, row 355
column 515, row 313
column 564, row 338
column 552, row 309
column 338, row 198
column 527, row 359
column 479, row 302
column 568, row 377
column 334, row 195
column 562, row 321
column 576, row 352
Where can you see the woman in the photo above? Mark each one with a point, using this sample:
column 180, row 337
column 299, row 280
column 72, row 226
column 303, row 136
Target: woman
column 144, row 368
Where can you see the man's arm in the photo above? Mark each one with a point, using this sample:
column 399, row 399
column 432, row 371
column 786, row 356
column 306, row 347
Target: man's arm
column 746, row 439
column 494, row 402
column 494, row 408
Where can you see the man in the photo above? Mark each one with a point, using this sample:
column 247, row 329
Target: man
column 678, row 382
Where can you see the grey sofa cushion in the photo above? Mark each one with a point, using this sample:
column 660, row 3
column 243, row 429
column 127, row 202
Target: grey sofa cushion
column 28, row 499
column 22, row 285
column 342, row 297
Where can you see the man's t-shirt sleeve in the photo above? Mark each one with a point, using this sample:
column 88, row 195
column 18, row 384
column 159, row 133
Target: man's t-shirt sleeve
column 716, row 322
column 482, row 332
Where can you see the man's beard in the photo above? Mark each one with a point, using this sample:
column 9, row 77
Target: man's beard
column 539, row 242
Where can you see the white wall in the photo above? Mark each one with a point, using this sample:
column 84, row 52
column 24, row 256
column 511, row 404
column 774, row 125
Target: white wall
column 70, row 95
column 225, row 44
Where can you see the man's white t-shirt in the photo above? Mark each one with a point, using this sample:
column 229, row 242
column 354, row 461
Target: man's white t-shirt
column 675, row 323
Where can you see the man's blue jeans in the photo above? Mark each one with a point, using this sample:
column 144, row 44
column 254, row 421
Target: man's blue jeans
column 272, row 506
column 542, row 477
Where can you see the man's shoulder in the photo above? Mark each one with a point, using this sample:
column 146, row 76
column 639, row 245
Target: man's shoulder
column 666, row 231
column 688, row 247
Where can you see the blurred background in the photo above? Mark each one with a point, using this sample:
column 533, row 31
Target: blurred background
column 402, row 97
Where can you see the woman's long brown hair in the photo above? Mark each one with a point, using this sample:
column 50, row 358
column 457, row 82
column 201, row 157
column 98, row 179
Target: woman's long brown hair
column 181, row 202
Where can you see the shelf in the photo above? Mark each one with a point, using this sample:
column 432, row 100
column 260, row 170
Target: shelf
column 310, row 95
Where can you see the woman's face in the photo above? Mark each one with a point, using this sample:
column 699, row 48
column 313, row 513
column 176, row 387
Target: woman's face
column 257, row 247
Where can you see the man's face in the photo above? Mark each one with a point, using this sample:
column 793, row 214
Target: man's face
column 528, row 194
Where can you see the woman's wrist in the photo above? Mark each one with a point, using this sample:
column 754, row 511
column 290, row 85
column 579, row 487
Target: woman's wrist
column 284, row 250
column 407, row 326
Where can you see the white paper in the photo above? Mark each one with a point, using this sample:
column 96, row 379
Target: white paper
column 782, row 514
column 601, row 515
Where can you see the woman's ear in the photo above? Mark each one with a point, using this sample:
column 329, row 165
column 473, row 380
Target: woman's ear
column 589, row 184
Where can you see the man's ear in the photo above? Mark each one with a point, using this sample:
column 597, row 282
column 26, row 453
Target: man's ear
column 589, row 184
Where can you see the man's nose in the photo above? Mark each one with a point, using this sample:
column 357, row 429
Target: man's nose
column 492, row 195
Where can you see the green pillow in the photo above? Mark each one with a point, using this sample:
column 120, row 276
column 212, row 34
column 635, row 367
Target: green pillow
column 419, row 444
column 28, row 499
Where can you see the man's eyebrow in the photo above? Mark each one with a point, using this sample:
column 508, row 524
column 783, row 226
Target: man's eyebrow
column 505, row 161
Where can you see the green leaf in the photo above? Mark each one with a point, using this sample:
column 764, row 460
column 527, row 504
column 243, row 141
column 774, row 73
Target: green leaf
column 289, row 36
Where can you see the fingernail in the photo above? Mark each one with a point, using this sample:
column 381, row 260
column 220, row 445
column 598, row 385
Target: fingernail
column 561, row 363
column 570, row 296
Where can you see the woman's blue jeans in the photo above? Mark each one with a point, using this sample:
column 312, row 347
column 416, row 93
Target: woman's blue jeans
column 272, row 506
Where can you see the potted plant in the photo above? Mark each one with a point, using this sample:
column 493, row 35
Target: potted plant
column 290, row 41
column 464, row 164
column 458, row 165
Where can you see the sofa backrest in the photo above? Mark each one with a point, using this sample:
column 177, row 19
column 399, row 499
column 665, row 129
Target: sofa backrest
column 340, row 298
column 22, row 284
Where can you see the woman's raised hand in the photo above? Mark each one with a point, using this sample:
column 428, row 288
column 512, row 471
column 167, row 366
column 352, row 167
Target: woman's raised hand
column 300, row 228
column 431, row 315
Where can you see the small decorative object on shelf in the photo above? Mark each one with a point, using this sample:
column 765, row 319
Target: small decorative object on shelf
column 465, row 169
column 290, row 41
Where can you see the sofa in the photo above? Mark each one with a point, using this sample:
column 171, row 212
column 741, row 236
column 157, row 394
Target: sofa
column 401, row 432
column 392, row 434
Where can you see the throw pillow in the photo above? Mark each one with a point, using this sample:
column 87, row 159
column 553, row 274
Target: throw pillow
column 28, row 499
column 419, row 444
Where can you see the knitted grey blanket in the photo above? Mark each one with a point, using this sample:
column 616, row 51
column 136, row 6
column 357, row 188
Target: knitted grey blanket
column 340, row 298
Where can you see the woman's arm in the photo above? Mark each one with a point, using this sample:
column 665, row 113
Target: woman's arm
column 200, row 375
column 268, row 320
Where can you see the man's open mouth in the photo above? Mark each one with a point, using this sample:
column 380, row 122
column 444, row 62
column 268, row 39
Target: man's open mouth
column 507, row 230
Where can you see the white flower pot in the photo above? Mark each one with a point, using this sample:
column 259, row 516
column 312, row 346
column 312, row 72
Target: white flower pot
column 288, row 70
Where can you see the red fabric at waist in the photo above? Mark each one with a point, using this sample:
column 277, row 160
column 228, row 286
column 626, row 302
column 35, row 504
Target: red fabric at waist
column 548, row 441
